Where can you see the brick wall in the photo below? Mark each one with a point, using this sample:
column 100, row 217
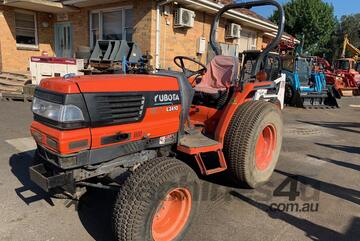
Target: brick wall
column 80, row 28
column 142, row 22
column 0, row 53
column 16, row 59
column 173, row 41
column 144, row 14
column 182, row 41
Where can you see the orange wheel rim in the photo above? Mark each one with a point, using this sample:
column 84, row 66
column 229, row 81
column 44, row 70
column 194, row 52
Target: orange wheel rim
column 265, row 147
column 172, row 215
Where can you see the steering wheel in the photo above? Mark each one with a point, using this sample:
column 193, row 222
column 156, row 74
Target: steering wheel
column 179, row 61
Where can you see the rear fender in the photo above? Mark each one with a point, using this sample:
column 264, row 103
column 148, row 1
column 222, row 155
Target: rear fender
column 237, row 99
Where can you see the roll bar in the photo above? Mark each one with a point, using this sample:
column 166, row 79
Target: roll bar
column 215, row 45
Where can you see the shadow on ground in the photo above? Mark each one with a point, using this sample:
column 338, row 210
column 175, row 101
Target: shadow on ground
column 343, row 126
column 312, row 230
column 336, row 162
column 344, row 193
column 20, row 164
column 95, row 213
column 94, row 208
column 348, row 149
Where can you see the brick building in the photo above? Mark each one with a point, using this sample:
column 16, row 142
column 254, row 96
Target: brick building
column 60, row 28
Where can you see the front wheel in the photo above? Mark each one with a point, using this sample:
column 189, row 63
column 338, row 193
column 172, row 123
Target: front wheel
column 289, row 94
column 253, row 143
column 157, row 202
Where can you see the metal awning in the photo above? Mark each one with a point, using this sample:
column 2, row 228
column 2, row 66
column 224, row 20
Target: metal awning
column 40, row 6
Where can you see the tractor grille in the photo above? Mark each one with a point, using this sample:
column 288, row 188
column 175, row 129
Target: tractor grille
column 116, row 108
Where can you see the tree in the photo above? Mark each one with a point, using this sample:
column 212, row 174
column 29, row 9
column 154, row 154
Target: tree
column 312, row 20
column 348, row 24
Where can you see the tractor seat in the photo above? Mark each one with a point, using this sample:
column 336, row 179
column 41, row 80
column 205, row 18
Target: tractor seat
column 222, row 72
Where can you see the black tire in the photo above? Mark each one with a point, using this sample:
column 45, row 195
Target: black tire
column 241, row 139
column 335, row 92
column 276, row 102
column 289, row 94
column 142, row 193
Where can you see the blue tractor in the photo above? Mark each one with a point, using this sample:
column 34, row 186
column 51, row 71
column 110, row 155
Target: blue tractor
column 305, row 87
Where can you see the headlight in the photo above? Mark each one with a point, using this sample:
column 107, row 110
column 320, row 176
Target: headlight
column 57, row 112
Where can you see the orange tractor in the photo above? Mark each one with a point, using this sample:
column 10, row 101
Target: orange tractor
column 347, row 69
column 141, row 134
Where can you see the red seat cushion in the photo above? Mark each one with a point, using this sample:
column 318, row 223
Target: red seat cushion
column 221, row 73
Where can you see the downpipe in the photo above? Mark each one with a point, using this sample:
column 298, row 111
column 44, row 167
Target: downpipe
column 158, row 32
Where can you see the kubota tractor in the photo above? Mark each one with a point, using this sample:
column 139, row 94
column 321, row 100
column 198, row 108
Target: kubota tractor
column 141, row 134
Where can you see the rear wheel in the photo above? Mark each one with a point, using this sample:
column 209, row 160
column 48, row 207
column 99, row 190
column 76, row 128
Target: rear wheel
column 253, row 142
column 157, row 202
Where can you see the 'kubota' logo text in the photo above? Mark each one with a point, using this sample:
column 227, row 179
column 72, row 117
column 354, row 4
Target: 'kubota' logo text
column 166, row 98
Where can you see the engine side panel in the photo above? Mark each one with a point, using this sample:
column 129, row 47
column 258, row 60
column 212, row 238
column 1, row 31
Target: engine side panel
column 157, row 122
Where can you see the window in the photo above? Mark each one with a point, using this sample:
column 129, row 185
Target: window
column 343, row 64
column 288, row 63
column 247, row 40
column 111, row 24
column 25, row 29
column 304, row 67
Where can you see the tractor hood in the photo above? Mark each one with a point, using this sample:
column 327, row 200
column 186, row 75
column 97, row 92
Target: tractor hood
column 110, row 83
column 125, row 83
column 104, row 100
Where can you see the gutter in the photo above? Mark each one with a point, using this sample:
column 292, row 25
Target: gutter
column 234, row 14
column 284, row 37
column 213, row 7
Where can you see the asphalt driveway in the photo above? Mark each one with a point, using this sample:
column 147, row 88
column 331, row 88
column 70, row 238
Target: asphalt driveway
column 320, row 160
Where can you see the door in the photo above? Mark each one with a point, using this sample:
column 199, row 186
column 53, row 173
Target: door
column 63, row 40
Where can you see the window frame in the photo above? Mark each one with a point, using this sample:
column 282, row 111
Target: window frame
column 27, row 46
column 250, row 37
column 100, row 12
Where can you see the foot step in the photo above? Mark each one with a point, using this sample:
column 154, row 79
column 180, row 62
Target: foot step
column 197, row 144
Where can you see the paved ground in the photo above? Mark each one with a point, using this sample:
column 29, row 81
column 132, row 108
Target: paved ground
column 321, row 154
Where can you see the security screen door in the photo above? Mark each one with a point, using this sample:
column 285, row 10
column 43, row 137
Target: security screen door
column 63, row 40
